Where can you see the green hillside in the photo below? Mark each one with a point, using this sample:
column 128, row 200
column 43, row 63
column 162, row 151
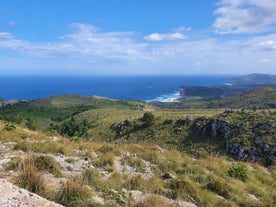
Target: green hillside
column 39, row 114
column 92, row 151
column 77, row 174
column 257, row 98
column 260, row 98
column 101, row 119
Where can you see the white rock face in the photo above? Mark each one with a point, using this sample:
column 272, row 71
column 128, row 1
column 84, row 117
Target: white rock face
column 13, row 196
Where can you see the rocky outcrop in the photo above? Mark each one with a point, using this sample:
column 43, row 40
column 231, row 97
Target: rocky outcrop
column 272, row 105
column 247, row 136
column 181, row 122
column 212, row 127
column 13, row 196
column 237, row 151
column 121, row 128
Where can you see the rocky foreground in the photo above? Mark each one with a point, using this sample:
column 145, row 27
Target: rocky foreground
column 13, row 196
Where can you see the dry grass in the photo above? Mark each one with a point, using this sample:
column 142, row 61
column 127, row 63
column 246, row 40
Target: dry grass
column 30, row 178
column 73, row 194
column 154, row 201
column 200, row 180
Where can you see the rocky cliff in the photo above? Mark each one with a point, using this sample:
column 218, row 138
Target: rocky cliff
column 249, row 136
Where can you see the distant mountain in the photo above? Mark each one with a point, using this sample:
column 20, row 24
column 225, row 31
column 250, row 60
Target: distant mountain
column 238, row 85
column 256, row 79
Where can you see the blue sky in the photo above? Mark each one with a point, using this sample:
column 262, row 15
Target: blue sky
column 137, row 36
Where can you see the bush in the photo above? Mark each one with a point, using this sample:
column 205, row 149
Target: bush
column 10, row 127
column 238, row 172
column 73, row 128
column 148, row 119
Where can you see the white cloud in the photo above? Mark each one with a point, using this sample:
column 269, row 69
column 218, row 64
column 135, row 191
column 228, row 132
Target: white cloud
column 5, row 36
column 85, row 41
column 245, row 16
column 166, row 36
column 88, row 49
column 267, row 45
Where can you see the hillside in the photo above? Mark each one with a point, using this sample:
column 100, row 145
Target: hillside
column 42, row 112
column 81, row 174
column 92, row 151
column 256, row 98
column 98, row 119
column 260, row 98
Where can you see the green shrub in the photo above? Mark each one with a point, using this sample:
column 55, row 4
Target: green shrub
column 148, row 119
column 238, row 172
column 75, row 139
column 73, row 127
column 10, row 127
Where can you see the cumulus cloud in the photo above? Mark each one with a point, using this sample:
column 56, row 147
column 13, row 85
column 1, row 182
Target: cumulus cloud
column 245, row 16
column 84, row 41
column 90, row 40
column 166, row 36
column 86, row 48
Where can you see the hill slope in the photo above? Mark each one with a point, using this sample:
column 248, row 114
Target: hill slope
column 256, row 98
column 81, row 174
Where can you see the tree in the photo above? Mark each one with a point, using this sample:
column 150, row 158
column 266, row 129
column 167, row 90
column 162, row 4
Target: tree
column 148, row 119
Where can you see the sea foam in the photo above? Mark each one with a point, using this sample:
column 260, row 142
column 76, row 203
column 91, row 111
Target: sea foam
column 166, row 98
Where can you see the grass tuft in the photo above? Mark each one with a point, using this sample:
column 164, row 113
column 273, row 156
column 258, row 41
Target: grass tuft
column 30, row 178
column 73, row 194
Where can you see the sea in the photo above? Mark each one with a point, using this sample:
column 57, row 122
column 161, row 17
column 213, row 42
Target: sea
column 144, row 88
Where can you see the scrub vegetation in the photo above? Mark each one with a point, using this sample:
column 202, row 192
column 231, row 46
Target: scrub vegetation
column 92, row 151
